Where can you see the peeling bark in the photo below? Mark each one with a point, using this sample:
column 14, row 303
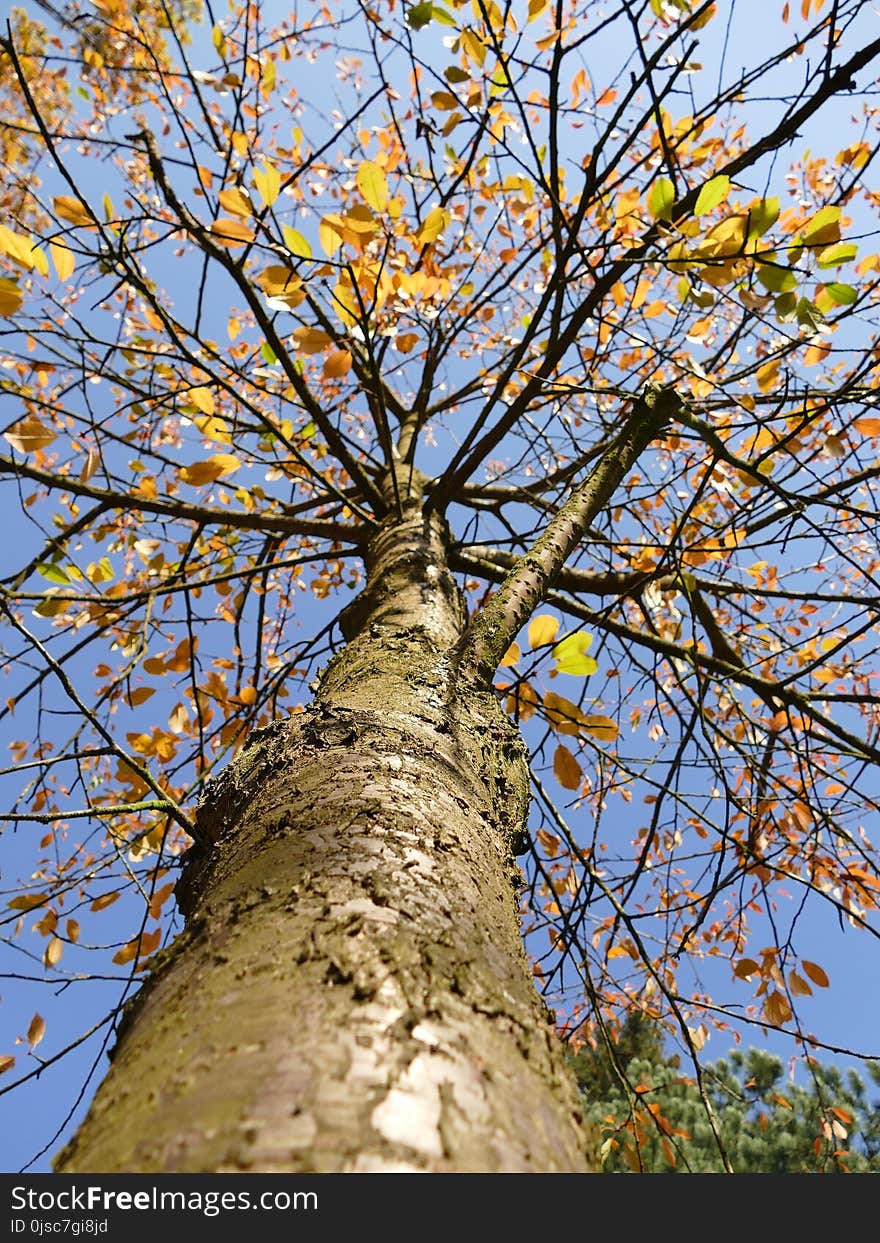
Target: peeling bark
column 351, row 991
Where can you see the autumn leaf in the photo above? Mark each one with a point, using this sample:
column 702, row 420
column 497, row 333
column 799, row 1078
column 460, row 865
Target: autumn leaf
column 816, row 973
column 73, row 211
column 711, row 195
column 601, row 727
column 29, row 435
column 570, row 655
column 372, row 183
column 212, row 469
column 230, row 233
column 63, row 260
column 542, row 630
column 236, row 202
column 337, row 364
column 434, row 224
column 295, row 242
column 511, row 657
column 11, row 297
column 6, row 1062
column 268, row 182
column 36, row 1031
column 311, row 340
column 53, row 951
column 566, row 768
column 661, row 198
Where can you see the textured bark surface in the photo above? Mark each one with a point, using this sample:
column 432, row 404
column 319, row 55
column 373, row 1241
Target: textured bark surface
column 351, row 992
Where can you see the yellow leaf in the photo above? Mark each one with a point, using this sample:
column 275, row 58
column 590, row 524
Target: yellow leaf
column 72, row 928
column 29, row 434
column 570, row 655
column 202, row 399
column 373, row 185
column 36, row 1031
column 823, row 228
column 338, row 364
column 511, row 656
column 248, row 695
column 295, row 242
column 816, row 974
column 444, row 101
column 62, row 258
column 16, row 247
column 542, row 630
column 329, row 235
column 11, row 297
column 73, row 211
column 230, row 233
column 54, row 950
column 562, row 714
column 214, row 468
column 567, row 769
column 236, row 202
column 213, row 428
column 268, row 182
column 768, row 375
column 618, row 951
column 311, row 340
column 434, row 224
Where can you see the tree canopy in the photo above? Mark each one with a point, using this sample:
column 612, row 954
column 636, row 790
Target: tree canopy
column 606, row 276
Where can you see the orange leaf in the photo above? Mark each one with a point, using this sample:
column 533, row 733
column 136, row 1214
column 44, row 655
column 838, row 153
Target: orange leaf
column 746, row 967
column 567, row 769
column 337, row 364
column 816, row 974
column 6, row 1063
column 865, row 427
column 230, row 233
column 104, row 901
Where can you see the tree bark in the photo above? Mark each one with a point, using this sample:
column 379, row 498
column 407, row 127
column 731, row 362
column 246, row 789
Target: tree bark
column 351, row 992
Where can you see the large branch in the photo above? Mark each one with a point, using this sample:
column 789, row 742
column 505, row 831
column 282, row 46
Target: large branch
column 205, row 514
column 493, row 628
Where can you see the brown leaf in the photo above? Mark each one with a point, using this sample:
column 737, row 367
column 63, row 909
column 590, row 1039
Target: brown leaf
column 36, row 1031
column 567, row 769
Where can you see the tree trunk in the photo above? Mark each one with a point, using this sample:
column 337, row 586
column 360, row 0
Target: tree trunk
column 351, row 992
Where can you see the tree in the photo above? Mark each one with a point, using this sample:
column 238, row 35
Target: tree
column 371, row 370
column 654, row 1120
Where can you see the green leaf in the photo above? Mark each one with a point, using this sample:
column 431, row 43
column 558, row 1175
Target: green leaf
column 762, row 215
column 843, row 295
column 295, row 242
column 786, row 308
column 53, row 573
column 419, row 15
column 269, row 354
column 712, row 193
column 834, row 256
column 809, row 316
column 570, row 655
column 777, row 279
column 661, row 198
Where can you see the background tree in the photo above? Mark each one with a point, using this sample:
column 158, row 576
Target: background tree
column 475, row 310
column 654, row 1121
